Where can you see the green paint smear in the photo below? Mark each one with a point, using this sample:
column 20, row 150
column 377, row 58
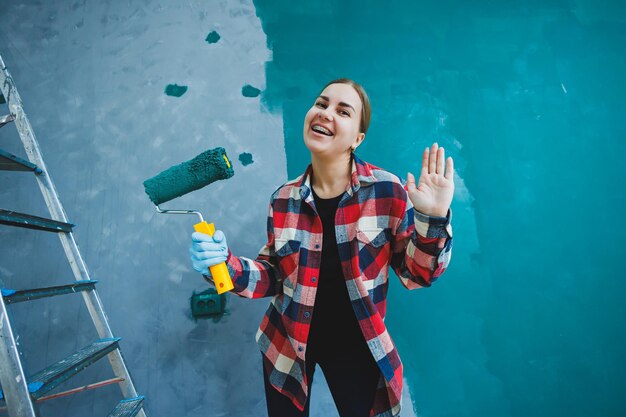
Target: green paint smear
column 245, row 159
column 175, row 90
column 529, row 309
column 213, row 37
column 249, row 91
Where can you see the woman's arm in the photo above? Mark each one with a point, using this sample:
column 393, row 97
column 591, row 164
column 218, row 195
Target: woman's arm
column 421, row 247
column 422, row 243
column 260, row 277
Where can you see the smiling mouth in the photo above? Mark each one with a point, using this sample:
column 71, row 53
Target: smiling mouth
column 321, row 130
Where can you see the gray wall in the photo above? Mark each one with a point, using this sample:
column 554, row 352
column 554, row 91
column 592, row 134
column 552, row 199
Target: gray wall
column 92, row 77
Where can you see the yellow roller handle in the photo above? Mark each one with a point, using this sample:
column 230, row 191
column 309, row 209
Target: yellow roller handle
column 219, row 272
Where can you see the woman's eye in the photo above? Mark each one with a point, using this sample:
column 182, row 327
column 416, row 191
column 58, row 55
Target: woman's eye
column 320, row 104
column 344, row 113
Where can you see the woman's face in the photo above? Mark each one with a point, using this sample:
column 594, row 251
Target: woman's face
column 332, row 125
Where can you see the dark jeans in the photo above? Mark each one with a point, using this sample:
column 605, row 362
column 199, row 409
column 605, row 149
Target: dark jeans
column 352, row 383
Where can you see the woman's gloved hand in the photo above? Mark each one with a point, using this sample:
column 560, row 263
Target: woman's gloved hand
column 206, row 251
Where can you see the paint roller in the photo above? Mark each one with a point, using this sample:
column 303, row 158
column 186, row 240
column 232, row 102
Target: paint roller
column 204, row 169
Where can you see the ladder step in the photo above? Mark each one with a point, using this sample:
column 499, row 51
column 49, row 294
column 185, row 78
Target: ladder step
column 6, row 119
column 16, row 296
column 127, row 408
column 10, row 162
column 13, row 218
column 47, row 379
column 57, row 373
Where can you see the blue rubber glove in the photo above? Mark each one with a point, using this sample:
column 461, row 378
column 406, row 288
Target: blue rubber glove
column 206, row 251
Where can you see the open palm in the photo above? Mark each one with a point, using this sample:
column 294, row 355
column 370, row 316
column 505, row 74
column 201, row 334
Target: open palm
column 434, row 191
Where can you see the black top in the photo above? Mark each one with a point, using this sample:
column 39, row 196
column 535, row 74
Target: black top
column 334, row 330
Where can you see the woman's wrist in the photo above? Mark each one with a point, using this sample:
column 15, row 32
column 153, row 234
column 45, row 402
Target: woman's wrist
column 434, row 212
column 439, row 214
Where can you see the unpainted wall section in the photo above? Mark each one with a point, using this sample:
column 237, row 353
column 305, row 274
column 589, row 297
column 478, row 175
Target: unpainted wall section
column 527, row 98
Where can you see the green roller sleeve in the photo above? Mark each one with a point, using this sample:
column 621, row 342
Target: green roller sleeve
column 209, row 166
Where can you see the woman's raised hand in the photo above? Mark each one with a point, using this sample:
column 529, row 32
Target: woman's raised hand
column 433, row 193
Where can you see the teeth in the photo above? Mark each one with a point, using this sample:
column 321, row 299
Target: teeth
column 322, row 130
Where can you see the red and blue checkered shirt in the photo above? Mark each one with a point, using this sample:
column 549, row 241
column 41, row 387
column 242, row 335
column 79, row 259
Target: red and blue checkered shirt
column 376, row 227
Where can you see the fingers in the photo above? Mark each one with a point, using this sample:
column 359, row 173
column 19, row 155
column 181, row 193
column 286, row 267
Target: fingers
column 432, row 159
column 208, row 247
column 425, row 162
column 218, row 236
column 207, row 251
column 441, row 158
column 410, row 182
column 201, row 237
column 204, row 266
column 205, row 248
column 434, row 162
column 449, row 168
column 212, row 257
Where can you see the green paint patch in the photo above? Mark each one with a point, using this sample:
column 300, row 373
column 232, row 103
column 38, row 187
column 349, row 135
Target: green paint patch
column 2, row 100
column 245, row 159
column 175, row 90
column 213, row 37
column 249, row 91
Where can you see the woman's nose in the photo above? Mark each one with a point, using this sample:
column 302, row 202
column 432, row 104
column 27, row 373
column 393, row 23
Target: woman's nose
column 324, row 115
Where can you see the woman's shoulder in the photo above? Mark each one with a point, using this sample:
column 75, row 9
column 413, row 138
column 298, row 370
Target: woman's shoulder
column 286, row 190
column 383, row 175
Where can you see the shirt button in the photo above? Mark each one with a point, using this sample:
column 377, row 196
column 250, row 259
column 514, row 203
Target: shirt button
column 307, row 314
column 313, row 279
column 300, row 348
column 317, row 246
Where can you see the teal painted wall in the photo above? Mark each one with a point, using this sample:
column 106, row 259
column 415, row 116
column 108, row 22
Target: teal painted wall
column 527, row 97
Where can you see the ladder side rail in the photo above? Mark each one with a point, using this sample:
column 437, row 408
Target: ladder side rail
column 12, row 378
column 96, row 311
column 51, row 197
column 79, row 268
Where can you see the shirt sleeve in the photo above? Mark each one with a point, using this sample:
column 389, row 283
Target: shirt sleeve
column 416, row 257
column 256, row 278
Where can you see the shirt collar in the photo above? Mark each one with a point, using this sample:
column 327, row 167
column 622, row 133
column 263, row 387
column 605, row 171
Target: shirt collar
column 361, row 176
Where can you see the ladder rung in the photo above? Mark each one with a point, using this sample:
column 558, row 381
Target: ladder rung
column 16, row 296
column 49, row 378
column 13, row 218
column 127, row 408
column 10, row 162
column 6, row 119
column 23, row 391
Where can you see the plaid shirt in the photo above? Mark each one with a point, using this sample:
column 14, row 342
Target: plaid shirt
column 376, row 227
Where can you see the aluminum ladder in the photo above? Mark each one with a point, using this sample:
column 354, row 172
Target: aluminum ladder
column 21, row 392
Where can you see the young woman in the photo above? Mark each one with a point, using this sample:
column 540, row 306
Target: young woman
column 333, row 233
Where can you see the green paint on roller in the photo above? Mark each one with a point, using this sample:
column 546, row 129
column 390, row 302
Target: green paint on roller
column 249, row 91
column 245, row 158
column 213, row 37
column 209, row 166
column 175, row 90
